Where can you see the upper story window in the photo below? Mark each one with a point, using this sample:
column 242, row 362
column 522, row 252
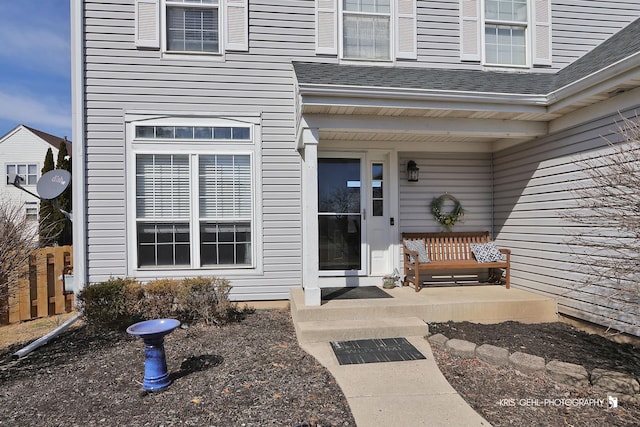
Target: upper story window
column 366, row 29
column 511, row 33
column 28, row 173
column 505, row 29
column 192, row 26
column 369, row 30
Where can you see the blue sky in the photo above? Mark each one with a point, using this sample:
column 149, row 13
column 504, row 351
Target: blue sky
column 35, row 66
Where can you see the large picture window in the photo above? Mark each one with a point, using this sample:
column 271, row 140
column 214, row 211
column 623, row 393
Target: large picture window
column 193, row 210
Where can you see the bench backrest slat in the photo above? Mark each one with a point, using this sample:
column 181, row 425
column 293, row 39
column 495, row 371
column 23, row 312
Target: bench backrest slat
column 449, row 246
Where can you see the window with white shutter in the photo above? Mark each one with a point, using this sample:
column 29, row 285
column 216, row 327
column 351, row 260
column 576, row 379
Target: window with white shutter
column 367, row 30
column 514, row 33
column 202, row 27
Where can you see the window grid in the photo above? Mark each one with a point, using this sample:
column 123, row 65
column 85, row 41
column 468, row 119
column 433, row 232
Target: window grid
column 28, row 173
column 366, row 29
column 166, row 198
column 206, row 133
column 505, row 33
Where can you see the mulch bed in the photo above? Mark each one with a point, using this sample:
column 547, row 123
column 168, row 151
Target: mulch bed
column 507, row 398
column 251, row 373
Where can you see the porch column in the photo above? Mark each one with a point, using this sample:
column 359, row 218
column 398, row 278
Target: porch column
column 310, row 139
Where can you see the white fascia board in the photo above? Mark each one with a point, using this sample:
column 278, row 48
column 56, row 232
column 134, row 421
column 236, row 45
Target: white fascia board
column 382, row 95
column 603, row 80
column 428, row 126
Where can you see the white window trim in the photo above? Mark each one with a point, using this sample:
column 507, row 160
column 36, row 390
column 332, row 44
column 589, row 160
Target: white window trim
column 192, row 148
column 527, row 37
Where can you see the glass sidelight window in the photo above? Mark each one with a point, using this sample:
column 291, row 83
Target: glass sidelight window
column 377, row 189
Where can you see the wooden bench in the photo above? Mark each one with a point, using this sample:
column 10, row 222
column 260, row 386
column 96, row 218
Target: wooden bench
column 449, row 251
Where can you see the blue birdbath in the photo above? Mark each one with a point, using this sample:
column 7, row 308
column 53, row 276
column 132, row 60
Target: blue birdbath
column 156, row 375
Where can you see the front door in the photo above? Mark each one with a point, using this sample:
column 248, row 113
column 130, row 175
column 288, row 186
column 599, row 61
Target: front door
column 341, row 216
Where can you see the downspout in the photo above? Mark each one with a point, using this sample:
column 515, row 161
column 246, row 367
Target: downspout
column 77, row 117
column 78, row 148
column 45, row 339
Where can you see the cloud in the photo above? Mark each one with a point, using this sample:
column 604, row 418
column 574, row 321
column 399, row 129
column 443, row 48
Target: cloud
column 35, row 35
column 38, row 112
column 35, row 49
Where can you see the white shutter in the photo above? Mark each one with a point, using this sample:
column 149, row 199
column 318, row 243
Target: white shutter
column 326, row 27
column 406, row 30
column 237, row 25
column 542, row 32
column 470, row 29
column 147, row 23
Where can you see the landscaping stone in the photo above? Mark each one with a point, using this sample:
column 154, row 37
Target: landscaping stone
column 616, row 383
column 438, row 339
column 461, row 348
column 527, row 363
column 568, row 373
column 497, row 356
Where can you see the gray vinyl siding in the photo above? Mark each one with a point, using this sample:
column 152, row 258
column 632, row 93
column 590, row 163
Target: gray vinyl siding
column 464, row 176
column 532, row 188
column 577, row 27
column 121, row 78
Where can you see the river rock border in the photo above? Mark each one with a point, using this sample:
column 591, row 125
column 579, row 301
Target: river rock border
column 623, row 386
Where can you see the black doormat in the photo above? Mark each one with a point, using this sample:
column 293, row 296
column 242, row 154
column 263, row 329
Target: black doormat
column 375, row 351
column 361, row 292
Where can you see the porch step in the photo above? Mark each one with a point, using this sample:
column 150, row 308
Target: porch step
column 345, row 330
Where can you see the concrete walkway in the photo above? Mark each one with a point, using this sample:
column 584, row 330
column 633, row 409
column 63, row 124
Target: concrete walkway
column 398, row 394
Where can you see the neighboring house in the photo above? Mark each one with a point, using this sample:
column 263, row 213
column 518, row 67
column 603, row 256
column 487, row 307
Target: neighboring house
column 22, row 152
column 267, row 142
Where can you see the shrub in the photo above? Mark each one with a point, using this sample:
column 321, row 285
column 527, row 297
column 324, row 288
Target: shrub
column 113, row 304
column 206, row 299
column 119, row 302
column 160, row 299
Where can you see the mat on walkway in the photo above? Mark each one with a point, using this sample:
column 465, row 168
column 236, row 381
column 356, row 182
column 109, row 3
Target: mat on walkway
column 375, row 351
column 361, row 292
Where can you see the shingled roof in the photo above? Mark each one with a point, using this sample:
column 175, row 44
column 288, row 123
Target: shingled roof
column 621, row 45
column 52, row 140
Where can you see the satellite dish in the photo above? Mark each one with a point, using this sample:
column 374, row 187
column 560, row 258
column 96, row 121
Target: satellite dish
column 53, row 183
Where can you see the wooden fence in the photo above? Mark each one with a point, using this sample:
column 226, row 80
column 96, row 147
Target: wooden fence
column 41, row 292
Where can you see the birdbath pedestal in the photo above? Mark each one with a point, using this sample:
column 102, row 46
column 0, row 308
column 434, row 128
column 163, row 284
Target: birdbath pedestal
column 156, row 376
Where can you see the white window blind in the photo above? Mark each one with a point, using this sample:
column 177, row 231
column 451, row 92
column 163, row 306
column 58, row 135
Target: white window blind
column 191, row 27
column 225, row 187
column 162, row 186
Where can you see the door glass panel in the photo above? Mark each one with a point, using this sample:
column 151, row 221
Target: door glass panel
column 377, row 189
column 339, row 216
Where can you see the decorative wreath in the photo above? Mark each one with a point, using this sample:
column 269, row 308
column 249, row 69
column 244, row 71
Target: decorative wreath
column 447, row 220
